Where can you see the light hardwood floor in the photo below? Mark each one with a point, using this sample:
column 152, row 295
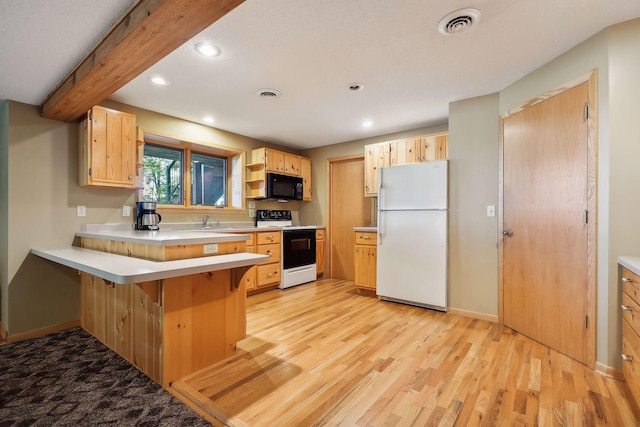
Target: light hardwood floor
column 323, row 354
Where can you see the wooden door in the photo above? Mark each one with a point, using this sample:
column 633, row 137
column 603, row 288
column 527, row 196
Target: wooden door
column 545, row 197
column 348, row 208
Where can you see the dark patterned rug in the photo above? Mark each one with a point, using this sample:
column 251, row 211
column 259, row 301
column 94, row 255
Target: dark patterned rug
column 71, row 378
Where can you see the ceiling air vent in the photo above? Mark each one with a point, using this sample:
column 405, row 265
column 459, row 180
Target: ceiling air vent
column 268, row 93
column 458, row 21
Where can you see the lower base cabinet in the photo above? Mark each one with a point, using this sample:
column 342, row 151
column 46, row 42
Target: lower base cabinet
column 631, row 331
column 365, row 260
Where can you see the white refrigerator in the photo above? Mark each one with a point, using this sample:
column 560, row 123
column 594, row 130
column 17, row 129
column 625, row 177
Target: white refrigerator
column 412, row 234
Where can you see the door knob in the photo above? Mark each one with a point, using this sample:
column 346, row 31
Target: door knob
column 507, row 233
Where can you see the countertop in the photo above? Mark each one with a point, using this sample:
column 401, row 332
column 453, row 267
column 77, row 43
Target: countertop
column 366, row 229
column 124, row 270
column 632, row 263
column 177, row 234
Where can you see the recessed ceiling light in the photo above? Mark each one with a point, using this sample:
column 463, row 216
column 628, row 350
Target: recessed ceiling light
column 367, row 124
column 356, row 86
column 208, row 119
column 207, row 49
column 159, row 80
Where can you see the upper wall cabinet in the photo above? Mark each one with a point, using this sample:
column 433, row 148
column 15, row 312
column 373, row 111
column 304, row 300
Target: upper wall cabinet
column 424, row 148
column 265, row 160
column 108, row 149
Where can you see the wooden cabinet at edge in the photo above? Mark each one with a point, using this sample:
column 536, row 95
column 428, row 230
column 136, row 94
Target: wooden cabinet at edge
column 365, row 260
column 426, row 148
column 320, row 251
column 631, row 331
column 108, row 149
column 267, row 160
column 267, row 274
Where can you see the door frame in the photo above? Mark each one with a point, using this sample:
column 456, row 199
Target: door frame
column 592, row 145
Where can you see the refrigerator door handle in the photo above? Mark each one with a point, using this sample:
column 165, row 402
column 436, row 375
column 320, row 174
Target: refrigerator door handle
column 380, row 187
column 380, row 221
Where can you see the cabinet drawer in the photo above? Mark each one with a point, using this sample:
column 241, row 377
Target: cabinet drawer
column 631, row 312
column 631, row 284
column 320, row 234
column 272, row 250
column 267, row 237
column 268, row 274
column 631, row 366
column 366, row 238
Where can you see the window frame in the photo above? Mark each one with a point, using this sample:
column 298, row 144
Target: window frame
column 235, row 171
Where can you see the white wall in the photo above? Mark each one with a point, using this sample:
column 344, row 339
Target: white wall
column 473, row 180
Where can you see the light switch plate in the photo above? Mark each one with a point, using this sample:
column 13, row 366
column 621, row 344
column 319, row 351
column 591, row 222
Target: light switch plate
column 126, row 210
column 491, row 210
column 81, row 210
column 251, row 204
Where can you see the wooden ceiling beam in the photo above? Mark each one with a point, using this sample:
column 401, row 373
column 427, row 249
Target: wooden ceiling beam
column 147, row 32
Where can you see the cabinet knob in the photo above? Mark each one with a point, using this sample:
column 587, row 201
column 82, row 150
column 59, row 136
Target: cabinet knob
column 626, row 358
column 269, row 252
column 625, row 308
column 627, row 280
column 130, row 177
column 365, row 237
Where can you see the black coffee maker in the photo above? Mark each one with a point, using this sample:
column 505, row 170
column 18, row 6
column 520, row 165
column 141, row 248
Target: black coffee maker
column 146, row 216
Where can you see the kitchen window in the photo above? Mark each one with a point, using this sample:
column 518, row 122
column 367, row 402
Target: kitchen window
column 180, row 174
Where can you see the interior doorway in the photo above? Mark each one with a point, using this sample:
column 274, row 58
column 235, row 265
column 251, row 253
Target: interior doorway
column 548, row 217
column 348, row 208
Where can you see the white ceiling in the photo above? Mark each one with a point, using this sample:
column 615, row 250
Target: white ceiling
column 310, row 51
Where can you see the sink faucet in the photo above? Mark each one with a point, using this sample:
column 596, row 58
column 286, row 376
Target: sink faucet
column 204, row 221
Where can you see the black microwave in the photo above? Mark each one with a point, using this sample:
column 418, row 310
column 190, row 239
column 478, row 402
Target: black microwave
column 283, row 187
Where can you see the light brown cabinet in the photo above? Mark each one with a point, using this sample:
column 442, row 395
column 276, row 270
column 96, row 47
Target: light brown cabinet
column 305, row 174
column 365, row 260
column 108, row 149
column 268, row 273
column 320, row 251
column 426, row 148
column 264, row 160
column 631, row 331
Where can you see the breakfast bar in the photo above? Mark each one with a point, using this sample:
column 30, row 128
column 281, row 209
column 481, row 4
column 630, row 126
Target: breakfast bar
column 170, row 303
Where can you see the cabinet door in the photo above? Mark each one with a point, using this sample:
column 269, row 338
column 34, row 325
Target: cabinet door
column 319, row 255
column 291, row 164
column 405, row 151
column 305, row 173
column 428, row 148
column 365, row 266
column 109, row 149
column 274, row 161
column 375, row 156
column 441, row 147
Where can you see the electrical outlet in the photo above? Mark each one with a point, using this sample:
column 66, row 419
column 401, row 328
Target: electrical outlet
column 211, row 248
column 252, row 213
column 126, row 210
column 491, row 210
column 81, row 210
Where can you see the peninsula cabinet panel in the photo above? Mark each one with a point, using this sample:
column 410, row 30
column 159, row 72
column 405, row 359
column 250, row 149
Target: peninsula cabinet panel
column 201, row 314
column 126, row 318
column 108, row 149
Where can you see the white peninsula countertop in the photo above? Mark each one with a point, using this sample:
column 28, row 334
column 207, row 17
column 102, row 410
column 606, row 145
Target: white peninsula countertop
column 166, row 237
